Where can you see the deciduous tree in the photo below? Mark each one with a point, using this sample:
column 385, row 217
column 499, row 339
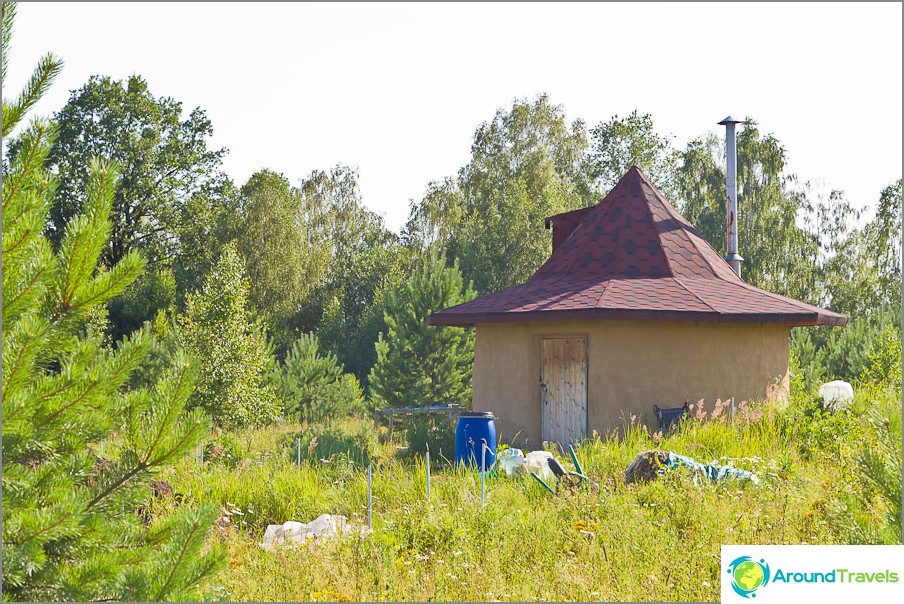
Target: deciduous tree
column 164, row 161
column 526, row 164
column 620, row 143
column 217, row 328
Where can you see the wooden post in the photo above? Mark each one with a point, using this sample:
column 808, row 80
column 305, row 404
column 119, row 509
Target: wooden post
column 427, row 465
column 299, row 452
column 390, row 427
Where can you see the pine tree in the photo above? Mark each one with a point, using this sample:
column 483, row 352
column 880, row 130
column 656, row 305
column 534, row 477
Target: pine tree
column 314, row 385
column 217, row 329
column 419, row 364
column 70, row 528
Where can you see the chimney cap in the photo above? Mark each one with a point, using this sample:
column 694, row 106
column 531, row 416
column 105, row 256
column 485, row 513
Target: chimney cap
column 730, row 120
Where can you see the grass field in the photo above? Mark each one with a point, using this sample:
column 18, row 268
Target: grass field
column 823, row 480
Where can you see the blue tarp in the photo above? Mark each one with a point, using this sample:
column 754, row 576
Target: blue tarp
column 715, row 473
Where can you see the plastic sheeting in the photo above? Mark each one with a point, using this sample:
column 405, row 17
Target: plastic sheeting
column 712, row 471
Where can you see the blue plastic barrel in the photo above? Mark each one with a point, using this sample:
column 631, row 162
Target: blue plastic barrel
column 473, row 429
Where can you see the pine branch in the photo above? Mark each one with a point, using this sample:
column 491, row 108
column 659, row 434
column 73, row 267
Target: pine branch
column 182, row 552
column 7, row 17
column 116, row 485
column 49, row 67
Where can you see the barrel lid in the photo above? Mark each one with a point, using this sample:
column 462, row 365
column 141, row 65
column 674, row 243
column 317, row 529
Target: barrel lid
column 486, row 414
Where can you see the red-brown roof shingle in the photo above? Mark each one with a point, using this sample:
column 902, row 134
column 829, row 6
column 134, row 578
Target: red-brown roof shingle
column 633, row 256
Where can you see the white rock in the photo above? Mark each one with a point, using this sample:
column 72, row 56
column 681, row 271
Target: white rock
column 326, row 526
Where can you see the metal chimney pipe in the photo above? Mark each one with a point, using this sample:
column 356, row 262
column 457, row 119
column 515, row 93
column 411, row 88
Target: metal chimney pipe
column 731, row 184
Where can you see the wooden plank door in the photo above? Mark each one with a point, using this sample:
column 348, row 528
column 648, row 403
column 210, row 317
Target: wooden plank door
column 563, row 389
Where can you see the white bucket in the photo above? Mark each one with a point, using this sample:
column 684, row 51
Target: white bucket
column 536, row 462
column 836, row 395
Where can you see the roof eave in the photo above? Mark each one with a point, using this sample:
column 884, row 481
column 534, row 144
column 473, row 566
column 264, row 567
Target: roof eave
column 470, row 319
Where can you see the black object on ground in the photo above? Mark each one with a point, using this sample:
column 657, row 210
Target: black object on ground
column 556, row 467
column 668, row 417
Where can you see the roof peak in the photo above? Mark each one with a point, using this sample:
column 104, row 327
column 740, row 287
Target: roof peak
column 634, row 233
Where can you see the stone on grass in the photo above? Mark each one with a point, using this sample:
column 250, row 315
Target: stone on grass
column 322, row 528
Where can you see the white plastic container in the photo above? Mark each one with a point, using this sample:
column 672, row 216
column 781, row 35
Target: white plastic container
column 836, row 395
column 511, row 461
column 536, row 462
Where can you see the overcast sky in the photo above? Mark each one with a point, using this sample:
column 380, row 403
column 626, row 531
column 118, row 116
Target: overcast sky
column 397, row 90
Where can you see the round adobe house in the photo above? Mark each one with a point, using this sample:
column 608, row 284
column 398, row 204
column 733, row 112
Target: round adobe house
column 632, row 309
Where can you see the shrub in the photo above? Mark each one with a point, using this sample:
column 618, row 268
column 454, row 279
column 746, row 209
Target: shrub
column 884, row 360
column 432, row 430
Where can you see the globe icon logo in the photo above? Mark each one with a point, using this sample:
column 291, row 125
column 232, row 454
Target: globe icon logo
column 748, row 575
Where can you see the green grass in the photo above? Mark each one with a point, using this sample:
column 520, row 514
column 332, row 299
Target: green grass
column 658, row 541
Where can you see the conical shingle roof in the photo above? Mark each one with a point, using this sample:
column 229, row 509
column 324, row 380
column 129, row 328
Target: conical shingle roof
column 633, row 256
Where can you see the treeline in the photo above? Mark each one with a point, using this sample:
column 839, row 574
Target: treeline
column 315, row 260
column 281, row 277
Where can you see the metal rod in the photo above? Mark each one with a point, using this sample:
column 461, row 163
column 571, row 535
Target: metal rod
column 299, row 452
column 483, row 467
column 101, row 448
column 370, row 503
column 732, row 412
column 427, row 465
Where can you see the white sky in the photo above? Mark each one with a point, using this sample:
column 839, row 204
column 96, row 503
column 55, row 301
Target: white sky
column 397, row 90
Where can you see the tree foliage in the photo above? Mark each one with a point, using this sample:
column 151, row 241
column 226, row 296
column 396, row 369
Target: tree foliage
column 620, row 143
column 863, row 274
column 164, row 161
column 780, row 255
column 526, row 164
column 364, row 258
column 217, row 328
column 152, row 292
column 70, row 531
column 283, row 261
column 419, row 364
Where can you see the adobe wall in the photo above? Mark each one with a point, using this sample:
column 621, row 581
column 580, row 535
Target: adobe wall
column 632, row 365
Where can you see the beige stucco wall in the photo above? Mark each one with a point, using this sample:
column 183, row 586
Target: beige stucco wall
column 632, row 365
